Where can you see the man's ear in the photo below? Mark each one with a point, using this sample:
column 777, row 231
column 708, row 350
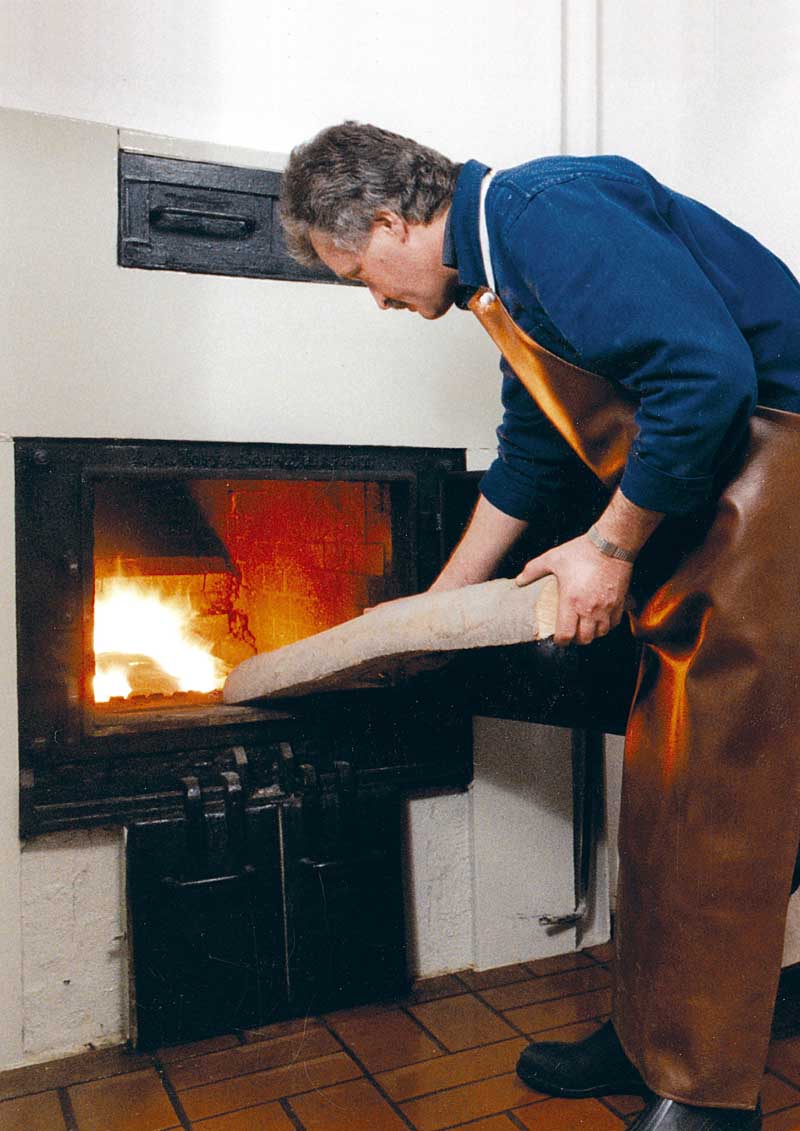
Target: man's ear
column 393, row 224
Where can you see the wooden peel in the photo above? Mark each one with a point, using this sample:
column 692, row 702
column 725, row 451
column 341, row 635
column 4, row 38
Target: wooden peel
column 398, row 638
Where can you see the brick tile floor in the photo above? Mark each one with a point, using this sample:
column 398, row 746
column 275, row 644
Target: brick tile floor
column 441, row 1060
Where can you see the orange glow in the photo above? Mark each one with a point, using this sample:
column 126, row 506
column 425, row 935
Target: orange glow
column 299, row 556
column 144, row 641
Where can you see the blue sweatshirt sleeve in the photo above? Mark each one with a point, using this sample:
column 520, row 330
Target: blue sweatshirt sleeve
column 601, row 266
column 534, row 464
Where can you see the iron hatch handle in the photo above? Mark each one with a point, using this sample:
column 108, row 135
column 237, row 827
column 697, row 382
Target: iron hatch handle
column 210, row 881
column 201, row 222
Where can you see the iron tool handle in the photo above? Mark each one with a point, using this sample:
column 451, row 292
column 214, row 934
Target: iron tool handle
column 209, row 881
column 201, row 222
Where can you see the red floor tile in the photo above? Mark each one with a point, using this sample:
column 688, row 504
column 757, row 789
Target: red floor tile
column 568, row 1115
column 280, row 1029
column 458, row 1105
column 385, row 1040
column 266, row 1117
column 548, row 989
column 776, row 1094
column 625, row 1105
column 174, row 1054
column 261, row 1087
column 136, row 1102
column 558, row 963
column 603, row 953
column 428, row 989
column 784, row 1057
column 242, row 1059
column 450, row 1071
column 61, row 1073
column 783, row 1121
column 357, row 1106
column 577, row 1032
column 553, row 1014
column 441, row 1061
column 493, row 1123
column 32, row 1113
column 488, row 979
column 462, row 1022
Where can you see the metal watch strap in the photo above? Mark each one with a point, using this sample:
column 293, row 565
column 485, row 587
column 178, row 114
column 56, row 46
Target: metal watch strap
column 610, row 549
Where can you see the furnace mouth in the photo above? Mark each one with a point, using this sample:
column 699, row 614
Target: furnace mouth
column 193, row 576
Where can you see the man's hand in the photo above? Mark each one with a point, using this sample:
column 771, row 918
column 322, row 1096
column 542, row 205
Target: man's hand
column 591, row 589
column 592, row 586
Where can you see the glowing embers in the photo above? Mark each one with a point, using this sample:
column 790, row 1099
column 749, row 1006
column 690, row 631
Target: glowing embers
column 146, row 641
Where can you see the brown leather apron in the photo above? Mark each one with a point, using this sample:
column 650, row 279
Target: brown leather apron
column 710, row 818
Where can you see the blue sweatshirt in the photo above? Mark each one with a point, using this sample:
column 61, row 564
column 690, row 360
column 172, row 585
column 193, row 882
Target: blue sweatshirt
column 614, row 272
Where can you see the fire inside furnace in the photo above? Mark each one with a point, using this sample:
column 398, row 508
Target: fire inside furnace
column 145, row 641
column 194, row 576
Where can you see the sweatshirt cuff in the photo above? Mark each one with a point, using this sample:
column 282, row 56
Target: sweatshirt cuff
column 658, row 491
column 497, row 488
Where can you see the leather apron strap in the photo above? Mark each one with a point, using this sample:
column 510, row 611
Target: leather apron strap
column 594, row 417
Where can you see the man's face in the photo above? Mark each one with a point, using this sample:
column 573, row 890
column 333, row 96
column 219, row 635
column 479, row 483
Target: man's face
column 401, row 264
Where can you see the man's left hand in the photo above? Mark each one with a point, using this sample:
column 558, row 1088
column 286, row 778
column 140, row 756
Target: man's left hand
column 591, row 589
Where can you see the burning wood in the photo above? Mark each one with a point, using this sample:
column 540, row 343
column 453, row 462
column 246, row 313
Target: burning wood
column 144, row 643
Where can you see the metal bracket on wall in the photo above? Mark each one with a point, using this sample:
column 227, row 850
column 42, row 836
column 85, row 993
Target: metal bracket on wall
column 588, row 822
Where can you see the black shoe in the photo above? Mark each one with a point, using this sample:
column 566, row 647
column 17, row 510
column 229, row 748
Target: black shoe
column 668, row 1115
column 597, row 1066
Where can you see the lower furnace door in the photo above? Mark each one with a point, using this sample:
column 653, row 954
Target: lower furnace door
column 239, row 919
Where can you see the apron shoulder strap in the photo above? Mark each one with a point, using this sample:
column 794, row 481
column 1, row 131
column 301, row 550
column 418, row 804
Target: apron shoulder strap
column 483, row 232
column 595, row 419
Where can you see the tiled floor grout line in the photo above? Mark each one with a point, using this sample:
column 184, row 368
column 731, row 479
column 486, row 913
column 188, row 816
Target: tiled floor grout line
column 430, row 1035
column 515, row 1121
column 786, row 1080
column 254, row 1071
column 173, row 1096
column 368, row 1076
column 498, row 986
column 454, row 1087
column 542, row 1001
column 289, row 1112
column 277, row 1099
column 497, row 1013
column 67, row 1109
column 603, row 1100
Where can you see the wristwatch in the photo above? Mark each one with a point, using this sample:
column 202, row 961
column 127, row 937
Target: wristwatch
column 610, row 549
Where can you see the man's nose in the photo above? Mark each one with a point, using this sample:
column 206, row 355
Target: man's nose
column 380, row 299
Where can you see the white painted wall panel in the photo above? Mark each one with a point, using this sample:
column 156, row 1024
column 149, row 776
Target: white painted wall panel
column 705, row 94
column 94, row 349
column 268, row 73
column 439, row 897
column 522, row 838
column 73, row 917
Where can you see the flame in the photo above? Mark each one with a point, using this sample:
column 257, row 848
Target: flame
column 133, row 620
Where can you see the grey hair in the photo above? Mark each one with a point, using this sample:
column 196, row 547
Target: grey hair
column 339, row 181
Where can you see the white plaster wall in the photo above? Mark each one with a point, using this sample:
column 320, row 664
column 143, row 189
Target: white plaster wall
column 439, row 891
column 74, row 947
column 268, row 73
column 705, row 94
column 201, row 356
column 88, row 349
column 522, row 840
